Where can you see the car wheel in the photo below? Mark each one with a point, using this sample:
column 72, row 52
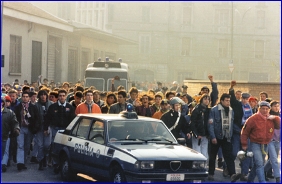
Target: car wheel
column 66, row 172
column 118, row 175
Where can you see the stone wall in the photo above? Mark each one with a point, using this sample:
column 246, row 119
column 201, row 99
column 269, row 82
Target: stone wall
column 272, row 89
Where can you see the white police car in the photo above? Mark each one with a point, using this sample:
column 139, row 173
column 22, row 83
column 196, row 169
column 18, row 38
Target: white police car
column 125, row 148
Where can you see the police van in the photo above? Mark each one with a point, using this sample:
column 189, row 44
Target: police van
column 100, row 73
column 125, row 148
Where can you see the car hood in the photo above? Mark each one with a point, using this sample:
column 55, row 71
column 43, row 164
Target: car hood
column 160, row 151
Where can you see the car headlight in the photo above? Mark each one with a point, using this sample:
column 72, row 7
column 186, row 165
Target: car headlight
column 144, row 164
column 199, row 164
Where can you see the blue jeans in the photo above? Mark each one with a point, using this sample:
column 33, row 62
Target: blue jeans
column 5, row 157
column 3, row 148
column 53, row 133
column 34, row 152
column 247, row 162
column 258, row 168
column 23, row 141
column 236, row 144
column 273, row 151
column 44, row 143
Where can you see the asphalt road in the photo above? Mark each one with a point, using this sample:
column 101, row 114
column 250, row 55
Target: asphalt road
column 32, row 174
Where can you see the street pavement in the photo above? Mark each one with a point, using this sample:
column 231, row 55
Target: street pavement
column 32, row 174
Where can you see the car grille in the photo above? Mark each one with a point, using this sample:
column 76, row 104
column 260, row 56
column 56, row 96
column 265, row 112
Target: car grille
column 168, row 166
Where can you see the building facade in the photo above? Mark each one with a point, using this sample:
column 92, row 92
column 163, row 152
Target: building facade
column 36, row 42
column 189, row 40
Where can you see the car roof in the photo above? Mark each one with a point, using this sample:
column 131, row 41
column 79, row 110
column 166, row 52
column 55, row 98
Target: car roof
column 115, row 117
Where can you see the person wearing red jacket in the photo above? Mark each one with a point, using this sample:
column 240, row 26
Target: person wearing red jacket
column 259, row 128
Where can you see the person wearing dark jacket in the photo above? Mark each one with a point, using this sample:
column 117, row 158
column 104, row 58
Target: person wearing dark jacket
column 43, row 141
column 58, row 117
column 242, row 111
column 199, row 125
column 28, row 118
column 145, row 109
column 10, row 124
column 174, row 120
column 121, row 105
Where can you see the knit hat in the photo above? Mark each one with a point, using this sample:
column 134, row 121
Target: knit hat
column 246, row 95
column 252, row 99
column 8, row 99
column 264, row 103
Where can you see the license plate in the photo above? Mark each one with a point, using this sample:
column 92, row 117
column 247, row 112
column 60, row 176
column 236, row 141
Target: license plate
column 174, row 177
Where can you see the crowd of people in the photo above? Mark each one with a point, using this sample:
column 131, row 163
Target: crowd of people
column 217, row 128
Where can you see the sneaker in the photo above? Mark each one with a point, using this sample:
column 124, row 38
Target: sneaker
column 21, row 167
column 210, row 178
column 244, row 178
column 34, row 160
column 4, row 168
column 235, row 177
column 270, row 176
column 225, row 172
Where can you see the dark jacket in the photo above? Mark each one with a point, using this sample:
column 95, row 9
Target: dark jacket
column 41, row 111
column 170, row 117
column 59, row 116
column 214, row 94
column 142, row 111
column 9, row 123
column 199, row 120
column 238, row 112
column 116, row 108
column 33, row 120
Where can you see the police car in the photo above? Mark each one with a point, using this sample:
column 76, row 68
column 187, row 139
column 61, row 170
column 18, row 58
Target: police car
column 125, row 148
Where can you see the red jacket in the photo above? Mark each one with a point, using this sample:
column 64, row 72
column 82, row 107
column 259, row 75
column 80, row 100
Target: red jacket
column 259, row 129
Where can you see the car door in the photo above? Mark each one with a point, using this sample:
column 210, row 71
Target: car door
column 95, row 161
column 79, row 144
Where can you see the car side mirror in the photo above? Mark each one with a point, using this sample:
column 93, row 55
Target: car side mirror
column 181, row 141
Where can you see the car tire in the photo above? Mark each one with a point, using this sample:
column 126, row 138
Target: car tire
column 118, row 175
column 67, row 173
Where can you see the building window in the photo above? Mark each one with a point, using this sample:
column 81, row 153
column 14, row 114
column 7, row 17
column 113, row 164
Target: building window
column 78, row 16
column 223, row 48
column 90, row 18
column 110, row 12
column 259, row 49
column 145, row 43
column 187, row 15
column 64, row 10
column 15, row 59
column 84, row 17
column 145, row 14
column 96, row 55
column 260, row 19
column 222, row 17
column 96, row 18
column 90, row 4
column 102, row 19
column 186, row 43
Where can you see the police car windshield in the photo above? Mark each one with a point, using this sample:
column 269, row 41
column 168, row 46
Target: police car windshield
column 137, row 130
